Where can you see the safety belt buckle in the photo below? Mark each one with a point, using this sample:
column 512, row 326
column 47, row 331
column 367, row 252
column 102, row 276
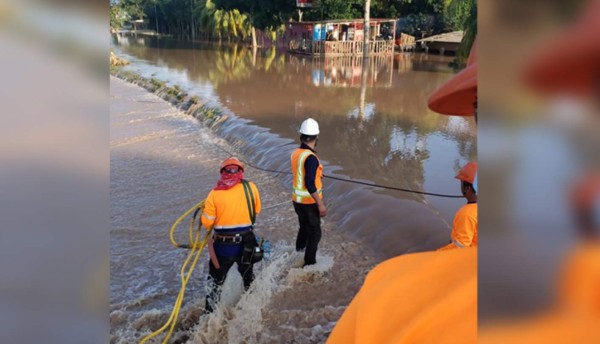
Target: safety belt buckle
column 235, row 239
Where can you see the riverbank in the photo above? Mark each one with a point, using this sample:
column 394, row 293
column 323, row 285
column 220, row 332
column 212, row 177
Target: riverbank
column 162, row 162
column 190, row 105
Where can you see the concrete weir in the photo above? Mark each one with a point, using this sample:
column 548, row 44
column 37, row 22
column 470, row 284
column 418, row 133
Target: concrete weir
column 163, row 162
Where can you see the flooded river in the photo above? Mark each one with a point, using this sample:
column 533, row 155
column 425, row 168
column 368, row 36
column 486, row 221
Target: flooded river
column 375, row 129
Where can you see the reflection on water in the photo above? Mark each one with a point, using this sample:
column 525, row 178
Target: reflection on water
column 374, row 119
column 346, row 71
column 375, row 126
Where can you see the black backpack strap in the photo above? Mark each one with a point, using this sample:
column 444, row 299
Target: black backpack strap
column 249, row 200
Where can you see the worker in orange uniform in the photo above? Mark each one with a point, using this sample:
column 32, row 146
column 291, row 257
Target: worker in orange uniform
column 229, row 211
column 398, row 303
column 307, row 193
column 464, row 227
column 427, row 297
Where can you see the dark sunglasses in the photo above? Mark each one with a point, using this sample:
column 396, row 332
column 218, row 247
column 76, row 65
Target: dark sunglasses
column 232, row 169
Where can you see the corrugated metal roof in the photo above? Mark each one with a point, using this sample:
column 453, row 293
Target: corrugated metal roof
column 449, row 37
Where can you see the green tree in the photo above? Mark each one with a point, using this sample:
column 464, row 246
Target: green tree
column 118, row 16
column 266, row 15
column 415, row 16
column 151, row 11
column 337, row 9
column 457, row 13
column 231, row 24
column 469, row 25
column 134, row 8
column 235, row 20
column 174, row 16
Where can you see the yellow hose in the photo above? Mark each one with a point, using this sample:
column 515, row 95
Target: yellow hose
column 196, row 250
column 199, row 206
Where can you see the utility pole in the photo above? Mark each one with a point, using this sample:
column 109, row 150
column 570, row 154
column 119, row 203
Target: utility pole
column 365, row 62
column 367, row 29
column 363, row 90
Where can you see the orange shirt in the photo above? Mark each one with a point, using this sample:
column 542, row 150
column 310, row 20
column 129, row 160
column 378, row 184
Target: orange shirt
column 464, row 228
column 428, row 297
column 227, row 209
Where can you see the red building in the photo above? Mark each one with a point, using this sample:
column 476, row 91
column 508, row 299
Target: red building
column 341, row 37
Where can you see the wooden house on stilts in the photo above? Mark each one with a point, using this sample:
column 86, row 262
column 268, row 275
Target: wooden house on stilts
column 341, row 37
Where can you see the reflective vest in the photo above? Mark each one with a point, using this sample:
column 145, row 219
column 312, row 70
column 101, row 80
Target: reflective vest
column 300, row 193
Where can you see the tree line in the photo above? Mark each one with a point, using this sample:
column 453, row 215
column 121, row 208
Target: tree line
column 237, row 20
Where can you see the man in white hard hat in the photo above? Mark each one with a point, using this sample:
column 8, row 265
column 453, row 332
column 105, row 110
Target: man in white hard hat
column 307, row 193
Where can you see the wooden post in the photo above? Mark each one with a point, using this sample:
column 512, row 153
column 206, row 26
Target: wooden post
column 394, row 37
column 367, row 29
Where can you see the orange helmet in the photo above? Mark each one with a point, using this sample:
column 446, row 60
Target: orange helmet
column 458, row 95
column 231, row 161
column 468, row 173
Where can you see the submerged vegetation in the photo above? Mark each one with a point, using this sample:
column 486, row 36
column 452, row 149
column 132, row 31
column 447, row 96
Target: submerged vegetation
column 117, row 61
column 191, row 105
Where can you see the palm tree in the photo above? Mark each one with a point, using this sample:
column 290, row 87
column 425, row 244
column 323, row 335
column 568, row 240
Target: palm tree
column 205, row 13
column 470, row 28
column 229, row 24
column 465, row 18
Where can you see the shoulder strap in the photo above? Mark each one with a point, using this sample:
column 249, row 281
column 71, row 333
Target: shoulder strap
column 249, row 200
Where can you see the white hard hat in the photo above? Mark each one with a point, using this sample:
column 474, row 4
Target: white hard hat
column 309, row 127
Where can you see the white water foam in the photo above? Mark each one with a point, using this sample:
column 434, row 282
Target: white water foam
column 242, row 322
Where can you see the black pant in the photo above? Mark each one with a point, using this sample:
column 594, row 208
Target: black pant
column 309, row 233
column 217, row 277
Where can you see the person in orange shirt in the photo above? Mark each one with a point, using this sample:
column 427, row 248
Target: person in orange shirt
column 464, row 227
column 230, row 210
column 427, row 297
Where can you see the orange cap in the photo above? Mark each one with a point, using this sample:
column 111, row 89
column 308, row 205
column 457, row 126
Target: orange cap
column 231, row 161
column 468, row 173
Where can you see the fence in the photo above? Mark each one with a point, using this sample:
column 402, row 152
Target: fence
column 338, row 48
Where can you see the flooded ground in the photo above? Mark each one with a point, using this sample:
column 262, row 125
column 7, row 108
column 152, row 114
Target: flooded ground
column 375, row 129
column 162, row 163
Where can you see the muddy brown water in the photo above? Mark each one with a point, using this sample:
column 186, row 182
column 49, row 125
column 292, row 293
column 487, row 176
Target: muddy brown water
column 375, row 129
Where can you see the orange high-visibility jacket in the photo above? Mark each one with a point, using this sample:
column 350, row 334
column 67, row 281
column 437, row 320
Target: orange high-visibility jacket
column 227, row 209
column 299, row 193
column 464, row 228
column 428, row 297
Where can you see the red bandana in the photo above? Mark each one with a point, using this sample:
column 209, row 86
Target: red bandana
column 229, row 180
